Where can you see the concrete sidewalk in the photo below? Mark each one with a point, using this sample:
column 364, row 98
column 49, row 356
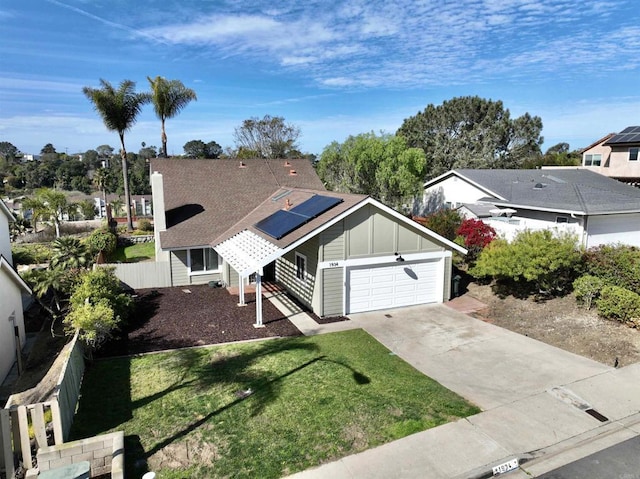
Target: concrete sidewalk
column 533, row 398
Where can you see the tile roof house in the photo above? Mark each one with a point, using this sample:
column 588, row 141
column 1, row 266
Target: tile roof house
column 12, row 333
column 596, row 208
column 616, row 155
column 241, row 222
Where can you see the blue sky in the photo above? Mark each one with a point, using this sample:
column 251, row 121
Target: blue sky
column 332, row 68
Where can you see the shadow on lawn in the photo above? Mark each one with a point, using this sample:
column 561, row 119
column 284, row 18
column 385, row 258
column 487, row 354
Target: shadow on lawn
column 106, row 404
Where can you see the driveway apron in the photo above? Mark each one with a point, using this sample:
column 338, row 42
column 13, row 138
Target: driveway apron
column 533, row 397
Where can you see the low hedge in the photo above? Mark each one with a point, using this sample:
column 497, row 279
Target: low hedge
column 619, row 304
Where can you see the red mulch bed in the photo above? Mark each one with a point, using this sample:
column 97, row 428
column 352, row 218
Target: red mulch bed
column 169, row 318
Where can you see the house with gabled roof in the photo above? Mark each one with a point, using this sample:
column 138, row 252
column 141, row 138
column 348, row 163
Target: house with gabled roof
column 597, row 209
column 12, row 286
column 257, row 220
column 616, row 155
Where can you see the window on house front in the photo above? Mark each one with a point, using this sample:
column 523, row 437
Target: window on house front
column 203, row 260
column 301, row 267
column 592, row 160
column 562, row 219
column 633, row 154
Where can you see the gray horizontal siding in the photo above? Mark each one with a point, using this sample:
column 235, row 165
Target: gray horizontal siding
column 180, row 272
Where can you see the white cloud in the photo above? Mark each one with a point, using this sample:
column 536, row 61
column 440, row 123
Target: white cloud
column 64, row 86
column 362, row 43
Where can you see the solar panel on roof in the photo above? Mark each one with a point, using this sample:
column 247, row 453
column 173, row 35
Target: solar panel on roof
column 316, row 205
column 281, row 223
column 627, row 136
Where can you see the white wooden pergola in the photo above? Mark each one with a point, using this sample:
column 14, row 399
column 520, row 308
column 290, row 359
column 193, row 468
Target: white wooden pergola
column 248, row 253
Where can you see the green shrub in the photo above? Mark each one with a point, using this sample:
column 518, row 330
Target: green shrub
column 620, row 304
column 101, row 240
column 145, row 225
column 445, row 222
column 98, row 284
column 34, row 253
column 587, row 288
column 617, row 265
column 95, row 322
column 545, row 262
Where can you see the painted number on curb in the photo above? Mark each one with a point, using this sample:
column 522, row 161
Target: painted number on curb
column 505, row 467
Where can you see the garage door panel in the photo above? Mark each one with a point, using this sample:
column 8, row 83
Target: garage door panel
column 392, row 285
column 386, row 290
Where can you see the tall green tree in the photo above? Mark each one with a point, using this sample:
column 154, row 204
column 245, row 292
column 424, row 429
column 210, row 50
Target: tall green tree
column 8, row 152
column 119, row 109
column 169, row 97
column 383, row 167
column 268, row 137
column 200, row 149
column 472, row 132
column 557, row 155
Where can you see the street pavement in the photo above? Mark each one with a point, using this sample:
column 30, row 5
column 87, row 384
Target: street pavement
column 533, row 397
column 621, row 461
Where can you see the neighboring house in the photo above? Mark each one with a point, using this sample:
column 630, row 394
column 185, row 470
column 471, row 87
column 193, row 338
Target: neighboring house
column 241, row 222
column 141, row 205
column 616, row 155
column 12, row 333
column 597, row 209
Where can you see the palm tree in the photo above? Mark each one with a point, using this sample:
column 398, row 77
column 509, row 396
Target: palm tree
column 48, row 205
column 69, row 253
column 116, row 207
column 101, row 178
column 119, row 109
column 88, row 209
column 169, row 97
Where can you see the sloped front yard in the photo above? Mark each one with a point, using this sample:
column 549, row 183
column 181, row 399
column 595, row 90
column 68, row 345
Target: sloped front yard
column 262, row 409
column 561, row 323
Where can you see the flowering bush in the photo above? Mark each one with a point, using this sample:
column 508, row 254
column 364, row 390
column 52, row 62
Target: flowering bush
column 476, row 235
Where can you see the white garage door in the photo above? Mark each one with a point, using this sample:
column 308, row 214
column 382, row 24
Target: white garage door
column 392, row 286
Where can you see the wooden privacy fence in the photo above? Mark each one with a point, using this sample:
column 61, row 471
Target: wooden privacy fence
column 14, row 433
column 152, row 274
column 16, row 421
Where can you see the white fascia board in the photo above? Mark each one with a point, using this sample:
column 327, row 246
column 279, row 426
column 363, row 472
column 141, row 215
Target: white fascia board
column 344, row 214
column 5, row 266
column 182, row 248
column 541, row 208
column 392, row 212
column 436, row 180
column 5, row 209
column 607, row 213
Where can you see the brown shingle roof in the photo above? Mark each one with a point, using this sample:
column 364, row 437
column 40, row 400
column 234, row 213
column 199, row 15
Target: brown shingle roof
column 278, row 201
column 204, row 198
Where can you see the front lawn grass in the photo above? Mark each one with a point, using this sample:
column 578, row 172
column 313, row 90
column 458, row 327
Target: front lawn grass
column 261, row 409
column 135, row 253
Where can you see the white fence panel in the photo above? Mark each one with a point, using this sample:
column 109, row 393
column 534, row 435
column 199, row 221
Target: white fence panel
column 156, row 274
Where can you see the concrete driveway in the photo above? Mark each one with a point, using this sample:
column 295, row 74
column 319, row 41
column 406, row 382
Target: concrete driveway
column 533, row 397
column 488, row 365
